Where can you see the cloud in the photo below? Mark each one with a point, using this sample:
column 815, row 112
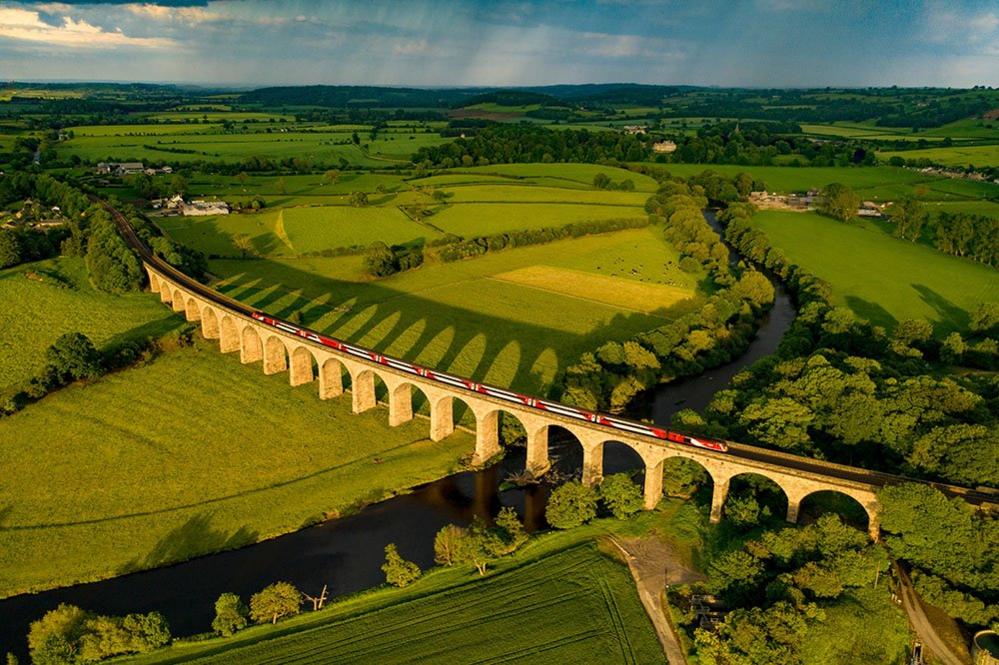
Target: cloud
column 625, row 46
column 949, row 25
column 190, row 15
column 28, row 26
column 412, row 47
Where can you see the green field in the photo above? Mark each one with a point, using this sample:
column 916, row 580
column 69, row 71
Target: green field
column 554, row 174
column 482, row 219
column 286, row 232
column 459, row 316
column 161, row 463
column 58, row 300
column 882, row 279
column 958, row 155
column 574, row 605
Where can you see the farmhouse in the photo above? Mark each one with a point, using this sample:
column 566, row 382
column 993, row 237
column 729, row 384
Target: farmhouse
column 119, row 168
column 664, row 146
column 634, row 129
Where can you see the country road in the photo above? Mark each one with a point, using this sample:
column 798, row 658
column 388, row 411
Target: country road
column 925, row 631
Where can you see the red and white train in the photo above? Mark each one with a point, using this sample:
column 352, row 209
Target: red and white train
column 492, row 391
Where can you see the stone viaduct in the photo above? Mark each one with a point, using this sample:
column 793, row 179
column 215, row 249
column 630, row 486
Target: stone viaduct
column 306, row 361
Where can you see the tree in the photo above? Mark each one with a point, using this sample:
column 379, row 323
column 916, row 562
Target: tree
column 55, row 638
column 278, row 600
column 571, row 505
column 230, row 615
column 446, row 544
column 178, row 185
column 244, row 244
column 10, row 249
column 397, row 570
column 909, row 216
column 513, row 532
column 358, row 199
column 682, row 476
column 985, row 318
column 477, row 545
column 73, row 357
column 953, row 348
column 839, row 202
column 379, row 260
column 601, row 181
column 331, row 176
column 911, row 331
column 281, row 186
column 621, row 495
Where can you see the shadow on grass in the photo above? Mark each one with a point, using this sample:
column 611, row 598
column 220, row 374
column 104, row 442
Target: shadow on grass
column 194, row 537
column 949, row 315
column 325, row 301
column 872, row 312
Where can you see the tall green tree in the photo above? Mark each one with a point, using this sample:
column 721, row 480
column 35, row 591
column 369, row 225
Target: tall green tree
column 399, row 571
column 839, row 202
column 909, row 216
column 231, row 615
column 274, row 602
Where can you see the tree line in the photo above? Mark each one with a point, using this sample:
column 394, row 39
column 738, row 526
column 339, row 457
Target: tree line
column 508, row 144
column 720, row 327
column 762, row 143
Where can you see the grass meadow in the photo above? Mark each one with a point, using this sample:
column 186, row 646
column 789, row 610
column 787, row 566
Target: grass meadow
column 956, row 155
column 465, row 317
column 161, row 463
column 482, row 219
column 59, row 299
column 882, row 279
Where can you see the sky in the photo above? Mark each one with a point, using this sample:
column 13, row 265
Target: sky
column 779, row 43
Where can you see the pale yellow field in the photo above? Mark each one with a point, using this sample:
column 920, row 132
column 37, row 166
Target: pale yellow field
column 624, row 293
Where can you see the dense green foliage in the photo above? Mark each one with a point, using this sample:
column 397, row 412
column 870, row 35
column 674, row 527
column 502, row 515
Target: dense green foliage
column 571, row 504
column 778, row 586
column 620, row 495
column 763, row 143
column 842, row 389
column 838, row 201
column 953, row 549
column 68, row 635
column 508, row 144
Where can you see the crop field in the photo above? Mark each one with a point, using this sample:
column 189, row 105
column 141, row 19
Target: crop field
column 457, row 317
column 316, row 228
column 573, row 606
column 127, row 473
column 631, row 294
column 957, row 155
column 57, row 298
column 987, row 208
column 481, row 219
column 882, row 279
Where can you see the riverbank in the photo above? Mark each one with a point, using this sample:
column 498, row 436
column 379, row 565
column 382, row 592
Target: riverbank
column 129, row 474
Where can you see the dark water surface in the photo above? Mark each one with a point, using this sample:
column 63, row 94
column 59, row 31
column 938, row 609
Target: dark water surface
column 347, row 553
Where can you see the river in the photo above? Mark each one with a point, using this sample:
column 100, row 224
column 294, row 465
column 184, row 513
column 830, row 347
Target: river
column 347, row 553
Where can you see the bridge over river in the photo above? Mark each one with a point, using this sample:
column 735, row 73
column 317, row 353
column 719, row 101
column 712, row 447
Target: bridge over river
column 232, row 324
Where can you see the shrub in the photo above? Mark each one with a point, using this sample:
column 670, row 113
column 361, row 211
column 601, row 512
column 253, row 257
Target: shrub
column 571, row 505
column 397, row 570
column 55, row 637
column 620, row 495
column 10, row 249
column 112, row 265
column 278, row 600
column 230, row 615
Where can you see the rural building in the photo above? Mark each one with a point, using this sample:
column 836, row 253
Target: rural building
column 870, row 209
column 163, row 170
column 119, row 168
column 664, row 146
column 634, row 129
column 199, row 207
